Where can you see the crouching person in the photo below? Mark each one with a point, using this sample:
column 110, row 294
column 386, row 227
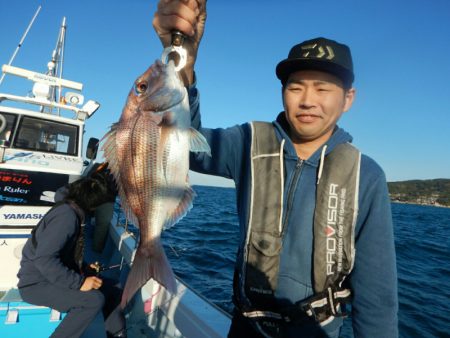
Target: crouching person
column 50, row 273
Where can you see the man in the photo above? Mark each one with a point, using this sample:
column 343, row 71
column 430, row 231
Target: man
column 50, row 273
column 316, row 225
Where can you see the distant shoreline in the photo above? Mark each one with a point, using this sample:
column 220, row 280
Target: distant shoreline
column 435, row 192
column 424, row 204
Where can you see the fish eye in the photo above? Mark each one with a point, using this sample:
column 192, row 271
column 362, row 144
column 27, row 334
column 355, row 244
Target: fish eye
column 140, row 87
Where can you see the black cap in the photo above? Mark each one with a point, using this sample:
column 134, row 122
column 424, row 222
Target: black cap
column 319, row 54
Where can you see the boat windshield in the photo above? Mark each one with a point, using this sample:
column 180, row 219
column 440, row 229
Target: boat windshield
column 6, row 133
column 47, row 136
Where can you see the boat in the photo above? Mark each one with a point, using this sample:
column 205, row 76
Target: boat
column 41, row 150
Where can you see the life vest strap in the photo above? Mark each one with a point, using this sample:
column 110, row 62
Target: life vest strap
column 327, row 305
column 323, row 308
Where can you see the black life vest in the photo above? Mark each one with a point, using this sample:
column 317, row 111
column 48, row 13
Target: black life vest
column 334, row 227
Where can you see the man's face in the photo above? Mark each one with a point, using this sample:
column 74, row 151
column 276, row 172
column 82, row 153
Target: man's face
column 313, row 102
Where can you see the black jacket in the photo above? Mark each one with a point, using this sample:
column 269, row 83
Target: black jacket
column 50, row 256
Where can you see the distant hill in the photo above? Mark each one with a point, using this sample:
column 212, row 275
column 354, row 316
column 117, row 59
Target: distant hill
column 429, row 192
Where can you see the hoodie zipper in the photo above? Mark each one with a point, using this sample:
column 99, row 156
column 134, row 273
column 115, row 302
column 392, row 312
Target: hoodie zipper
column 292, row 186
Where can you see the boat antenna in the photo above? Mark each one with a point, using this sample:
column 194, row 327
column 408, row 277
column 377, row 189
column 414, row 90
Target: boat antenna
column 21, row 41
column 55, row 66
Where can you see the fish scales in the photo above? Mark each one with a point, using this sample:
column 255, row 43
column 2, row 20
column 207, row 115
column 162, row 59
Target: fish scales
column 148, row 154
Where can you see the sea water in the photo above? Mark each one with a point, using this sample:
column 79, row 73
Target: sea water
column 202, row 250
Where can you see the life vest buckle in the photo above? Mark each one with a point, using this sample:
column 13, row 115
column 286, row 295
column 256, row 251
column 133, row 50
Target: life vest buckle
column 325, row 306
column 309, row 310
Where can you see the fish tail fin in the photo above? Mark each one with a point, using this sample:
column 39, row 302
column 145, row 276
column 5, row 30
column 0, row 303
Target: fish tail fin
column 144, row 268
column 198, row 142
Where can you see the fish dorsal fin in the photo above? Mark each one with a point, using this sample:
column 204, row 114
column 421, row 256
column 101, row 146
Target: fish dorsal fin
column 197, row 142
column 109, row 148
column 182, row 209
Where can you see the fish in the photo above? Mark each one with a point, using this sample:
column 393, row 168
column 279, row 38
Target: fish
column 147, row 151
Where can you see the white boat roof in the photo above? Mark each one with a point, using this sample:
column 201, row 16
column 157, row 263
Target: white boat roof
column 38, row 114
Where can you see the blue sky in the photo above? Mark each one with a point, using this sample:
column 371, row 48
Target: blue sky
column 401, row 52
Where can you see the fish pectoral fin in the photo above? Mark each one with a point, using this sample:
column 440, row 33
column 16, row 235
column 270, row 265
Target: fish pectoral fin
column 197, row 142
column 182, row 209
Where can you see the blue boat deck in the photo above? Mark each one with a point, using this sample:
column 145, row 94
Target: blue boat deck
column 19, row 319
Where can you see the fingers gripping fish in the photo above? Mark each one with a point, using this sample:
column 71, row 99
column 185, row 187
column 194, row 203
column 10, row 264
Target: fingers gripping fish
column 148, row 154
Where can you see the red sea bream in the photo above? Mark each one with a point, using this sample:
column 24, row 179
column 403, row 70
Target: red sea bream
column 148, row 154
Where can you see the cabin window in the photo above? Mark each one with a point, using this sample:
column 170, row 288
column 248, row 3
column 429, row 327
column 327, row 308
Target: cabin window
column 6, row 133
column 47, row 136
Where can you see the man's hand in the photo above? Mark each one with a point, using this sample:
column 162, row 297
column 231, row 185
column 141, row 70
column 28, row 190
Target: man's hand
column 188, row 17
column 90, row 283
column 92, row 269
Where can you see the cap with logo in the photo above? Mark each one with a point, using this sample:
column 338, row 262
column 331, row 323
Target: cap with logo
column 319, row 54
